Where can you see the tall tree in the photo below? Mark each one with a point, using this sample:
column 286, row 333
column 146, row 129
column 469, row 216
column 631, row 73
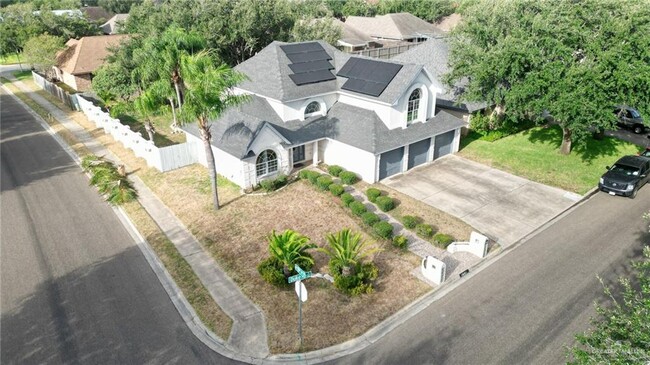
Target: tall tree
column 118, row 6
column 208, row 93
column 621, row 334
column 575, row 60
column 41, row 51
column 316, row 29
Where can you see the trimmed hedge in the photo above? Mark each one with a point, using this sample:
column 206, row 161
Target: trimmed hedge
column 370, row 218
column 313, row 178
column 347, row 198
column 335, row 170
column 348, row 177
column 410, row 221
column 336, row 189
column 443, row 239
column 270, row 185
column 358, row 208
column 385, row 203
column 383, row 229
column 323, row 182
column 373, row 194
column 424, row 230
column 400, row 242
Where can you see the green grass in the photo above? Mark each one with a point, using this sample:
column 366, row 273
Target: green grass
column 10, row 59
column 23, row 75
column 534, row 154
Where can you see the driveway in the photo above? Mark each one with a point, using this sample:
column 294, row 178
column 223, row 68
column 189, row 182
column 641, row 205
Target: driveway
column 503, row 206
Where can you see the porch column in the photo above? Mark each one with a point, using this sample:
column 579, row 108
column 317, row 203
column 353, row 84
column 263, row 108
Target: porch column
column 315, row 154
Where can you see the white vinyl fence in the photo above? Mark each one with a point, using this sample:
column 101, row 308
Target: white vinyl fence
column 68, row 99
column 162, row 158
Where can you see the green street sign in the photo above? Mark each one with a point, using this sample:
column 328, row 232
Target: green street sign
column 302, row 275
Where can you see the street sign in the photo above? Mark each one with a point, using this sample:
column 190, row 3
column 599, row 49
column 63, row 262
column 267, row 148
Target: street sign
column 301, row 291
column 302, row 275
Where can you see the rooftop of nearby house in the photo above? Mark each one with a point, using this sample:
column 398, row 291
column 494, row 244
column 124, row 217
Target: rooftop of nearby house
column 398, row 26
column 111, row 26
column 96, row 13
column 351, row 36
column 269, row 73
column 87, row 54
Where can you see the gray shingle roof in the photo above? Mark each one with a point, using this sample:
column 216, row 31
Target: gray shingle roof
column 268, row 75
column 358, row 127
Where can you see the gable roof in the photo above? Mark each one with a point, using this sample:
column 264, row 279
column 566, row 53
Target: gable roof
column 87, row 54
column 400, row 26
column 434, row 54
column 95, row 13
column 235, row 131
column 111, row 26
column 268, row 75
column 350, row 36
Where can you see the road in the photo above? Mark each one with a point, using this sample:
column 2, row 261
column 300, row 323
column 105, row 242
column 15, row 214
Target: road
column 74, row 286
column 525, row 307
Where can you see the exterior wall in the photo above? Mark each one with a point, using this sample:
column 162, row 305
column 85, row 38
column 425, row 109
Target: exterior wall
column 364, row 163
column 427, row 103
column 296, row 109
column 69, row 80
column 228, row 165
column 383, row 110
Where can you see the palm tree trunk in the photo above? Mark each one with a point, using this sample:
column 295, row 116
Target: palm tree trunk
column 286, row 271
column 565, row 148
column 175, row 123
column 204, row 128
column 177, row 87
column 347, row 270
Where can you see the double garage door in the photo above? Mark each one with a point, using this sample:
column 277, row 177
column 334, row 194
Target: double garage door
column 390, row 163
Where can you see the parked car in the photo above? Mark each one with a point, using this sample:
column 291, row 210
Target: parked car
column 626, row 177
column 630, row 118
column 645, row 153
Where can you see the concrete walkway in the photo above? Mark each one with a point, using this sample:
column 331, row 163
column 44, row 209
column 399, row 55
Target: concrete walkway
column 248, row 336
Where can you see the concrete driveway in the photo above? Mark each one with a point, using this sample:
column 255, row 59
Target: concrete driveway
column 503, row 206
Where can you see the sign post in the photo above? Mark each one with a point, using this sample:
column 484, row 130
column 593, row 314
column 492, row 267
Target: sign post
column 301, row 291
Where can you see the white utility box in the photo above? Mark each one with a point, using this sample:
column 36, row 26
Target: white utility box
column 477, row 245
column 433, row 269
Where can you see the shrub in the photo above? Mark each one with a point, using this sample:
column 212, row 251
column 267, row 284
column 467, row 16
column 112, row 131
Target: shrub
column 304, row 174
column 357, row 208
column 383, row 229
column 370, row 218
column 281, row 181
column 372, row 194
column 336, row 189
column 424, row 230
column 323, row 182
column 443, row 239
column 400, row 242
column 360, row 282
column 313, row 178
column 335, row 170
column 270, row 185
column 348, row 177
column 271, row 271
column 347, row 198
column 410, row 221
column 385, row 203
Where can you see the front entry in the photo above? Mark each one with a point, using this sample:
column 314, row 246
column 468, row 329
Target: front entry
column 298, row 154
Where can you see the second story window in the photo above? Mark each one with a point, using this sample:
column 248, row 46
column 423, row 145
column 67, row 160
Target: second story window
column 313, row 107
column 413, row 106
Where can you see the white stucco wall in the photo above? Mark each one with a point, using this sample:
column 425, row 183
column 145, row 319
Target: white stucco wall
column 361, row 162
column 383, row 110
column 227, row 165
column 426, row 109
column 295, row 109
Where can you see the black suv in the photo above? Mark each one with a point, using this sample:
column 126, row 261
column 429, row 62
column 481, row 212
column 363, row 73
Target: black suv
column 630, row 118
column 626, row 177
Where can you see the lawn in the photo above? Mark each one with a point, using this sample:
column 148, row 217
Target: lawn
column 10, row 59
column 23, row 75
column 534, row 154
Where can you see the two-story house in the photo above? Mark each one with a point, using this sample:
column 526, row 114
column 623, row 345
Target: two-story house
column 311, row 103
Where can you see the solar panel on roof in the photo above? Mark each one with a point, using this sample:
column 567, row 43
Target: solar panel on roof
column 364, row 87
column 301, row 47
column 311, row 66
column 368, row 77
column 312, row 77
column 345, row 70
column 309, row 56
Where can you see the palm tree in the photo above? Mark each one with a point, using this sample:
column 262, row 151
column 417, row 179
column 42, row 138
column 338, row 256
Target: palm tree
column 145, row 105
column 208, row 93
column 289, row 248
column 346, row 250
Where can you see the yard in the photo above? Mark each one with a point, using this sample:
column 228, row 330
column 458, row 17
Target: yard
column 235, row 236
column 534, row 154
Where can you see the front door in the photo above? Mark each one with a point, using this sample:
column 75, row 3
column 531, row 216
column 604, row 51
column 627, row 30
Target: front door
column 298, row 154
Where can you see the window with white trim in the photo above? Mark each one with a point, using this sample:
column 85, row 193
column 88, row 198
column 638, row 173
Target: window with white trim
column 413, row 106
column 313, row 107
column 267, row 163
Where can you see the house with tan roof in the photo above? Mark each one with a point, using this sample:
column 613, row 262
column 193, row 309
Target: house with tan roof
column 394, row 28
column 112, row 26
column 76, row 64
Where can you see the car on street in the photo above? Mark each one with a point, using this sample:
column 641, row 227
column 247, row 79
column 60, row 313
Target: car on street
column 626, row 176
column 630, row 118
column 645, row 153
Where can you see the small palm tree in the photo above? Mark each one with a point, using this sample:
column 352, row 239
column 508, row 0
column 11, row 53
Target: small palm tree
column 346, row 250
column 289, row 248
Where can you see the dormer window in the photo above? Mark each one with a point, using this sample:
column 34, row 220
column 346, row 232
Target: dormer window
column 312, row 108
column 413, row 106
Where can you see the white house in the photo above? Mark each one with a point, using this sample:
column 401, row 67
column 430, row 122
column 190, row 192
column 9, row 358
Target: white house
column 311, row 103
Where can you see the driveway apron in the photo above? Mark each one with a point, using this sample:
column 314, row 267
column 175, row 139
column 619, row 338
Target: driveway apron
column 500, row 205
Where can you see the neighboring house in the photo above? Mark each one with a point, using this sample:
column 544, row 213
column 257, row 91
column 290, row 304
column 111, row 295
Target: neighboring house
column 394, row 28
column 311, row 103
column 96, row 13
column 434, row 55
column 76, row 13
column 112, row 26
column 352, row 39
column 82, row 57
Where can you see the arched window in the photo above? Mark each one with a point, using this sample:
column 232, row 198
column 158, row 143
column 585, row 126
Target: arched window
column 267, row 162
column 313, row 107
column 413, row 105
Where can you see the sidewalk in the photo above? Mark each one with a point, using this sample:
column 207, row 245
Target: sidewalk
column 248, row 337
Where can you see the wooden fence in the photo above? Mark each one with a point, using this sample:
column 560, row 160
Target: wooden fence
column 68, row 99
column 386, row 52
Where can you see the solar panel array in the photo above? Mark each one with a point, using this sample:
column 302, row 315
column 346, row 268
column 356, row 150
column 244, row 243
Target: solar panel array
column 368, row 77
column 309, row 63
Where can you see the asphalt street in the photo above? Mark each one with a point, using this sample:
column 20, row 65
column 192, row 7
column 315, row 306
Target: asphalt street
column 74, row 286
column 525, row 307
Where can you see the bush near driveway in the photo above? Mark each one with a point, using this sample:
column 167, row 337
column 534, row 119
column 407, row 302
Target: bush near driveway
column 347, row 199
column 533, row 154
column 348, row 177
column 373, row 194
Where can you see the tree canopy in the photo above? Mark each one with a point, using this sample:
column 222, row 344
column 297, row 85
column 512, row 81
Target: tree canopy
column 41, row 50
column 575, row 60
